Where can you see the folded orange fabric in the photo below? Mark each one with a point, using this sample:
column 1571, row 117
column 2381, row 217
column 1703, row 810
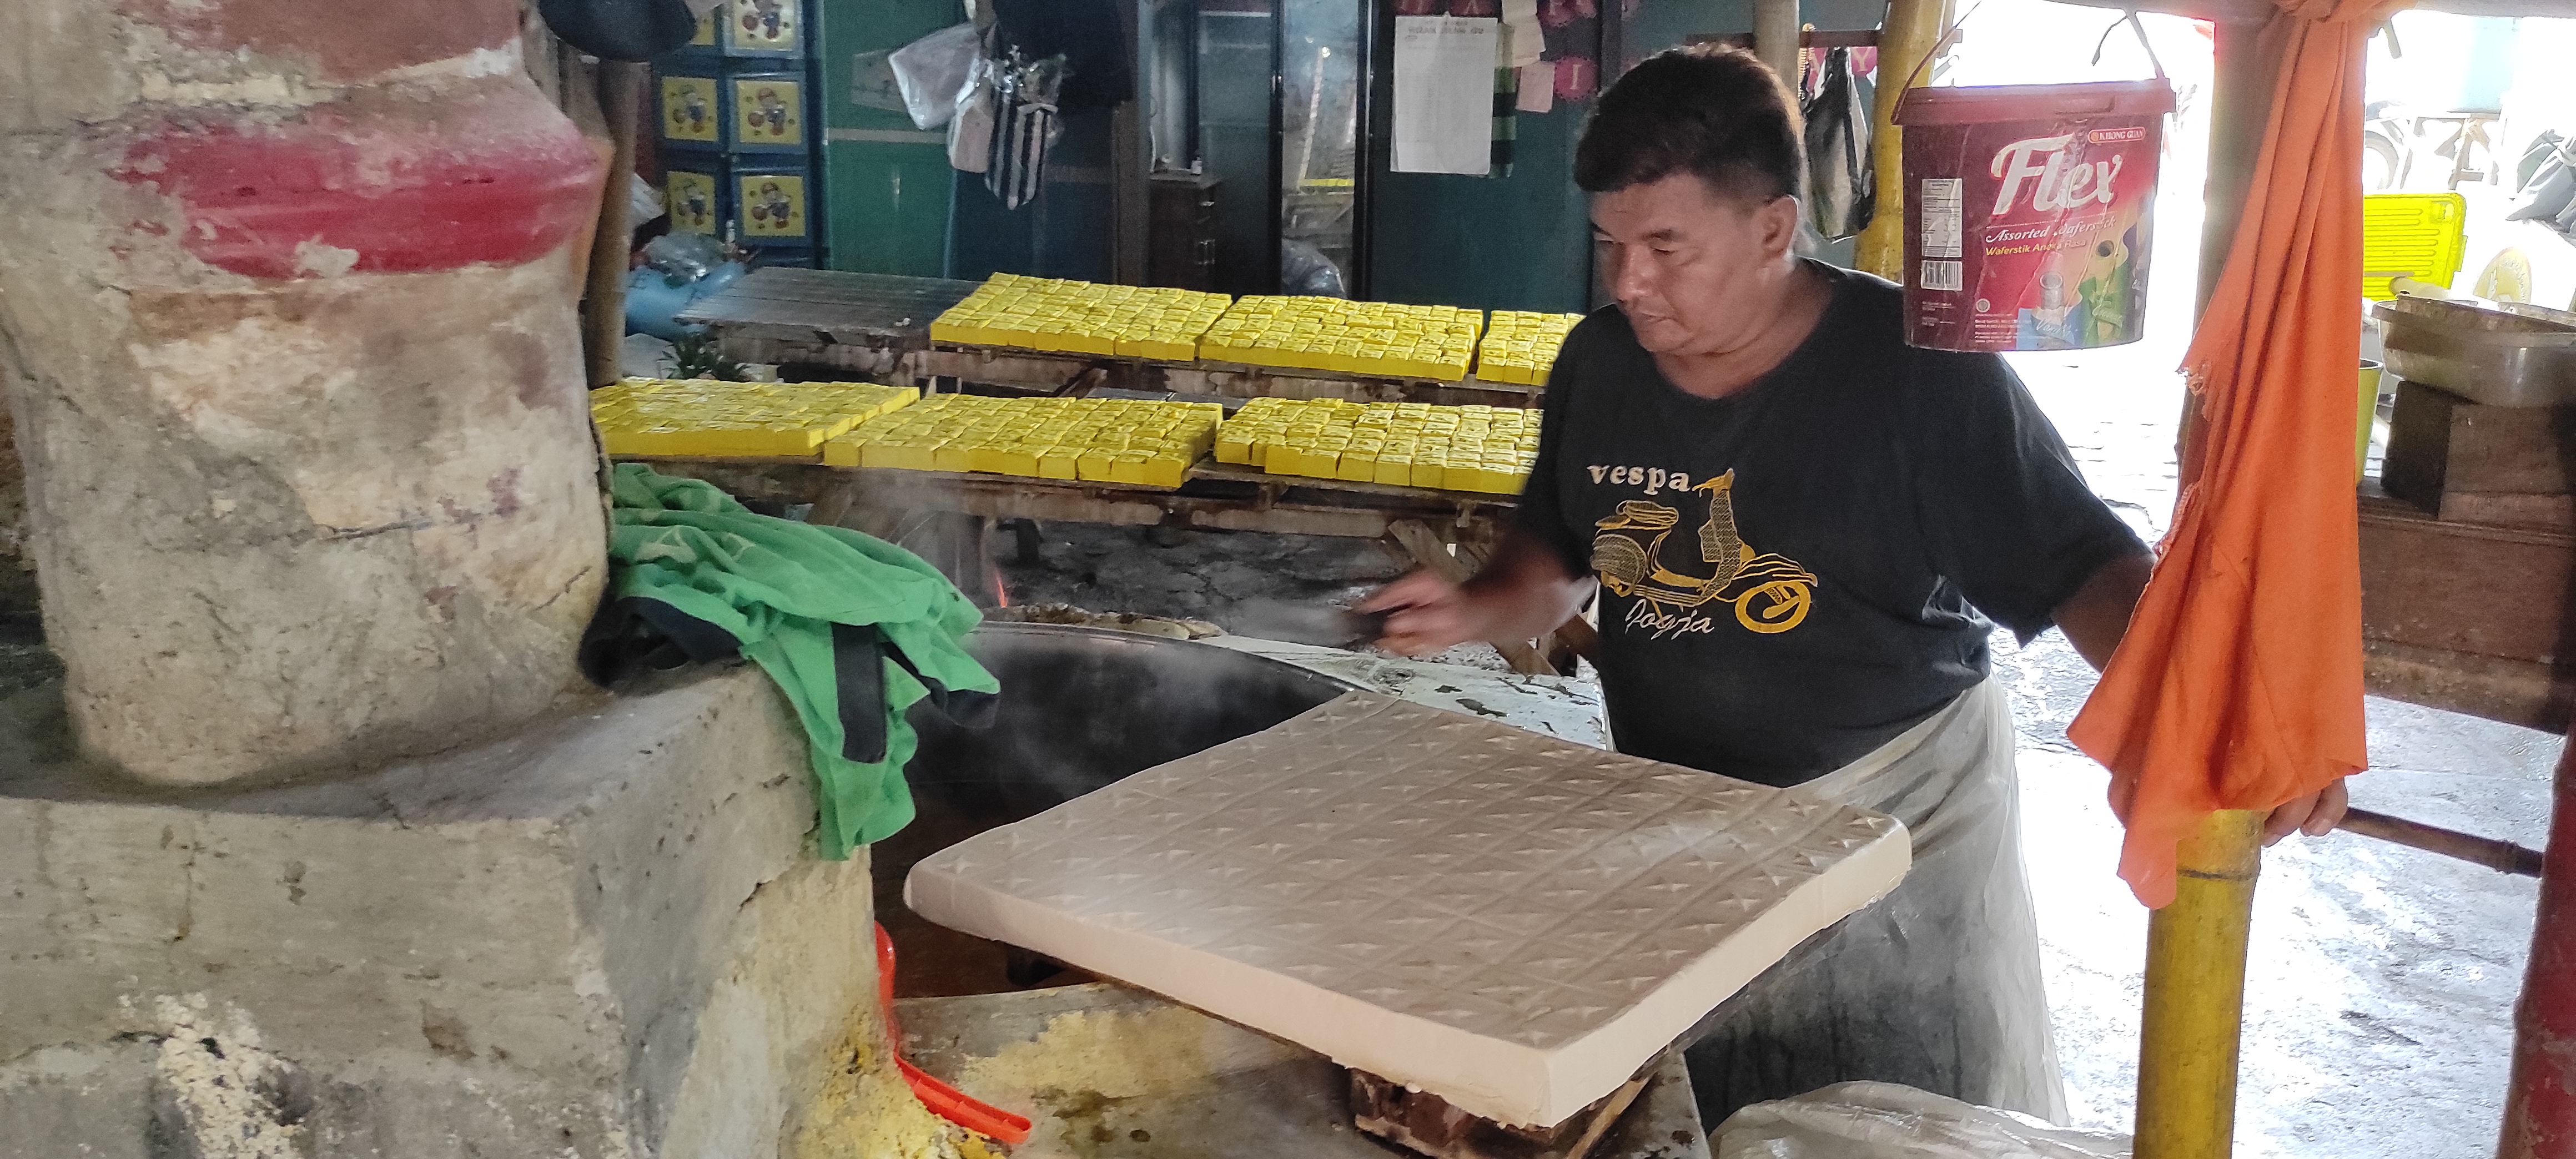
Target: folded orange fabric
column 2239, row 683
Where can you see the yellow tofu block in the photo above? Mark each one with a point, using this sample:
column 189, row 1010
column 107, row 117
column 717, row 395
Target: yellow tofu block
column 844, row 452
column 1094, row 466
column 1357, row 466
column 1164, row 472
column 1059, row 463
column 1320, row 463
column 1397, row 472
column 1431, row 473
column 1459, row 476
column 952, row 457
column 984, row 457
column 1088, row 343
column 1128, row 467
column 1020, row 461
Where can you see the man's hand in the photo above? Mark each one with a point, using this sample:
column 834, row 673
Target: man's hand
column 1523, row 593
column 1425, row 614
column 2315, row 814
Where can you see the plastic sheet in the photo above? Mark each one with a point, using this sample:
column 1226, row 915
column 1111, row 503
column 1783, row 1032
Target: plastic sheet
column 932, row 73
column 1935, row 986
column 1886, row 1121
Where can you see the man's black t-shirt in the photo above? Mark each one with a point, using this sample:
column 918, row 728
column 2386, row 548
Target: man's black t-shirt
column 1794, row 574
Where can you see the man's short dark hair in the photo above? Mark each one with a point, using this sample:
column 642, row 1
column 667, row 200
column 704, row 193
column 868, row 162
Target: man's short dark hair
column 1718, row 113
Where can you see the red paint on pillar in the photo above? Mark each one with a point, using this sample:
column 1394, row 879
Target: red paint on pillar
column 387, row 188
column 339, row 42
column 2540, row 1106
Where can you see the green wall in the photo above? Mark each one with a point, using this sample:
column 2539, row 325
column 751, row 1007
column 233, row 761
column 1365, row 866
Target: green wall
column 887, row 209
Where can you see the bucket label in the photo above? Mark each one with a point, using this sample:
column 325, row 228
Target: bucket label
column 2029, row 234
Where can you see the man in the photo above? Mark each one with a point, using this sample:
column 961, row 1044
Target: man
column 1803, row 531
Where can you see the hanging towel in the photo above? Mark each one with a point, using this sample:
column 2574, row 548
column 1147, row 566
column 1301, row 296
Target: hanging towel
column 2239, row 683
column 853, row 629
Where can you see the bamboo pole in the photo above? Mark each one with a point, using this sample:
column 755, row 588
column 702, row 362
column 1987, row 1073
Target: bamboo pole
column 2195, row 1002
column 1905, row 39
column 603, row 300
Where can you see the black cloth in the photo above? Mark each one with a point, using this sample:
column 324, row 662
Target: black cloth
column 1795, row 574
column 628, row 30
column 1101, row 71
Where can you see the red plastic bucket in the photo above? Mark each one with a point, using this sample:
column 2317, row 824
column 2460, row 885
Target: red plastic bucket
column 2028, row 211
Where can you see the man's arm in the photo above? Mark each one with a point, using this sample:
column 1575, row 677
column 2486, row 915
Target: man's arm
column 2097, row 616
column 1522, row 593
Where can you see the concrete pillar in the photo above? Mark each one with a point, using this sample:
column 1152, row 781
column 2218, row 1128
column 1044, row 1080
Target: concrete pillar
column 287, row 319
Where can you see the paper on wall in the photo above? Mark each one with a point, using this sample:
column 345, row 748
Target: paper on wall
column 1538, row 88
column 1520, row 21
column 1444, row 93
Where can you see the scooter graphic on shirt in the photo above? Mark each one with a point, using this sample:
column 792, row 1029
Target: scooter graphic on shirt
column 1770, row 593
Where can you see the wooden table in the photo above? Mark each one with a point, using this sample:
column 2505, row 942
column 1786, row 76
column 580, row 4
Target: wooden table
column 1450, row 532
column 2468, row 617
column 878, row 325
column 861, row 323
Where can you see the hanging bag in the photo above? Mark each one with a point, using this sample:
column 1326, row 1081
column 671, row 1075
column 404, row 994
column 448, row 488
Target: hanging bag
column 1024, row 127
column 1842, row 177
column 970, row 131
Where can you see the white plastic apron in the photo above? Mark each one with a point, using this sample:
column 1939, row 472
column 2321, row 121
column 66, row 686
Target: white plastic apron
column 1935, row 986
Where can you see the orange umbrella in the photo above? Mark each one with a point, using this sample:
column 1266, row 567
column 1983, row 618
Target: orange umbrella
column 2239, row 683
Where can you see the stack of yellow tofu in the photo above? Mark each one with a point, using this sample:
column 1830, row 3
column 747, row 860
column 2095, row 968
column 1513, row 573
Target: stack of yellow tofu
column 1094, row 440
column 1081, row 318
column 1409, row 444
column 703, row 416
column 1386, row 339
column 1521, row 347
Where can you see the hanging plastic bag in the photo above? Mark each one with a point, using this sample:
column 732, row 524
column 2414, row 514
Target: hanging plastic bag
column 933, row 70
column 1842, row 178
column 970, row 131
column 1025, row 126
column 1887, row 1121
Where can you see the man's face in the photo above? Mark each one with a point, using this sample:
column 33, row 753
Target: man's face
column 1691, row 266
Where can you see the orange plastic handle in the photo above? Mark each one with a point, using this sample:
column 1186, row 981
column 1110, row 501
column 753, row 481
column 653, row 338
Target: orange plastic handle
column 945, row 1101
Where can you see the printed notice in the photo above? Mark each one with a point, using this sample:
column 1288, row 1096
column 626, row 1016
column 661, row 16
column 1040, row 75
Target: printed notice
column 1444, row 93
column 1943, row 203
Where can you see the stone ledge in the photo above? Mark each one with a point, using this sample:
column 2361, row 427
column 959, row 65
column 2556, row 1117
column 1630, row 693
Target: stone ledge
column 571, row 941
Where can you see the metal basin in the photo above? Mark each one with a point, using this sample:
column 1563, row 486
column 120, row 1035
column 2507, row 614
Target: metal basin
column 1080, row 708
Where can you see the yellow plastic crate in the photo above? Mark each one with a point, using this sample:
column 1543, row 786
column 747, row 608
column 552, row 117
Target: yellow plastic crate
column 2411, row 235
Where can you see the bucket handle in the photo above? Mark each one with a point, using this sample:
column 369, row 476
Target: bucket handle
column 1950, row 36
column 2130, row 18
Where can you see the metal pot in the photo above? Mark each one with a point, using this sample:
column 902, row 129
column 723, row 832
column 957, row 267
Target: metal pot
column 1082, row 707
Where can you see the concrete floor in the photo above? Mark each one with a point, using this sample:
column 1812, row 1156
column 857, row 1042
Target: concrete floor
column 2379, row 1002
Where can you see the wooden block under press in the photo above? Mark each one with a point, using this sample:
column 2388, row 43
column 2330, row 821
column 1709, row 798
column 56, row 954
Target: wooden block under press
column 2439, row 443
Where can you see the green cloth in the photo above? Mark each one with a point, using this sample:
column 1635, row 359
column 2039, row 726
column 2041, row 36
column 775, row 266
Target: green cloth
column 778, row 587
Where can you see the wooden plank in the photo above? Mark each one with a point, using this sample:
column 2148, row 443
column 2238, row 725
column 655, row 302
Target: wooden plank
column 2439, row 442
column 1432, row 553
column 2540, row 512
column 2521, row 692
column 844, row 306
column 2462, row 587
column 1012, row 497
column 1238, row 380
column 2220, row 11
column 1467, row 501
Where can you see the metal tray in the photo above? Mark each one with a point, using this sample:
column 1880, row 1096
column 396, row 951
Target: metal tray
column 2499, row 357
